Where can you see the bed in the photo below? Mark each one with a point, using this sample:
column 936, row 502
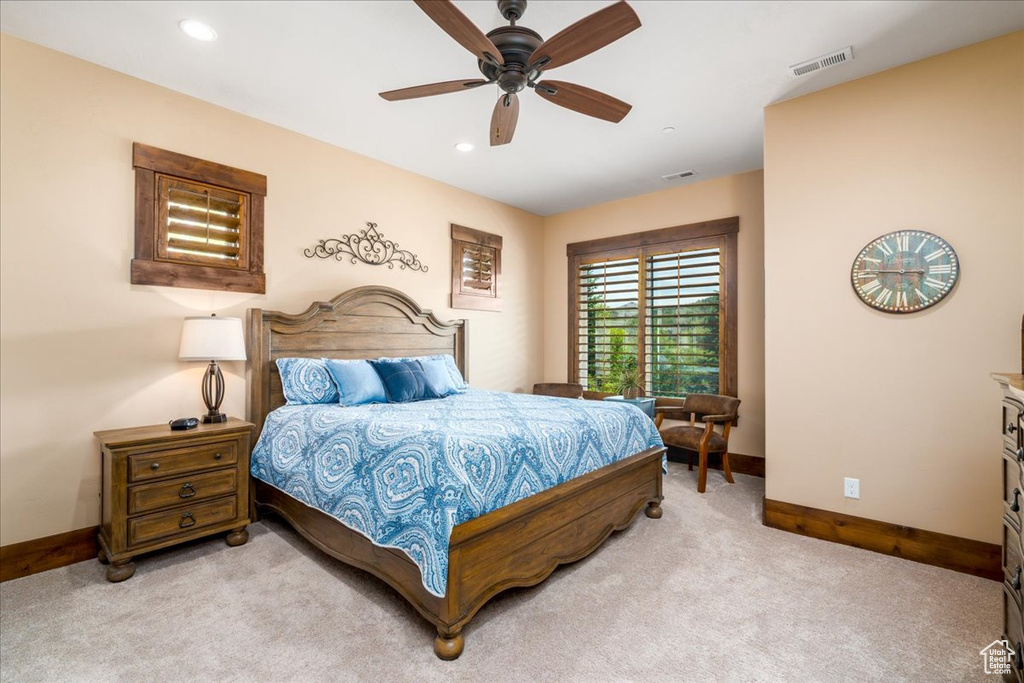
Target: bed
column 517, row 544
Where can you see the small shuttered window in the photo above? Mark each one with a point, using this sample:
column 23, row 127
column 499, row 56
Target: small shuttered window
column 476, row 269
column 197, row 223
column 663, row 302
column 201, row 224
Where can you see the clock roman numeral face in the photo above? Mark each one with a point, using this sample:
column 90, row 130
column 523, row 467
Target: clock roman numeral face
column 905, row 271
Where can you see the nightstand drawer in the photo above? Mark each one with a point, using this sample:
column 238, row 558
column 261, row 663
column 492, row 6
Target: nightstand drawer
column 145, row 466
column 180, row 521
column 181, row 491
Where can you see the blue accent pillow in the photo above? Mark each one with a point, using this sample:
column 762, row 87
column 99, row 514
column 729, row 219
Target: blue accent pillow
column 449, row 362
column 357, row 382
column 404, row 380
column 306, row 380
column 439, row 381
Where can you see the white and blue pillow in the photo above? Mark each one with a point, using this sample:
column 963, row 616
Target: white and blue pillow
column 306, row 381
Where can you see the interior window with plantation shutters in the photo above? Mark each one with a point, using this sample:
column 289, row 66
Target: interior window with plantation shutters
column 197, row 223
column 663, row 302
column 201, row 224
column 476, row 269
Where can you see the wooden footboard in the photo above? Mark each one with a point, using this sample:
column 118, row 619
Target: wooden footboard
column 517, row 545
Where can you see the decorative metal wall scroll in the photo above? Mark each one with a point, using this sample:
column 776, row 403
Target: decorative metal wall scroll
column 368, row 246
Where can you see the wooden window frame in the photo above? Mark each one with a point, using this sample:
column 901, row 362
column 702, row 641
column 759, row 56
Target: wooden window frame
column 722, row 233
column 150, row 268
column 475, row 299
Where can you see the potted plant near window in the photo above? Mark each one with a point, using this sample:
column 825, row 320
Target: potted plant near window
column 630, row 383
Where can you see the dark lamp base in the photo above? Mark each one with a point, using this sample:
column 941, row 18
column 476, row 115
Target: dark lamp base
column 213, row 394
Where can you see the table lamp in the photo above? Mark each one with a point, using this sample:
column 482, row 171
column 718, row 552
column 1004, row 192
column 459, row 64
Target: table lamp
column 213, row 339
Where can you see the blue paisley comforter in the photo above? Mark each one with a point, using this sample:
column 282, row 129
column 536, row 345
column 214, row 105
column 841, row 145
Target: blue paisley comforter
column 405, row 474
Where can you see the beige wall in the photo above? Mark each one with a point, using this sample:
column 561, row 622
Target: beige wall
column 81, row 349
column 739, row 195
column 904, row 403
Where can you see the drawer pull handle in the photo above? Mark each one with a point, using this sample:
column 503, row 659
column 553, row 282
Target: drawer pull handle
column 1020, row 454
column 155, row 466
column 1015, row 581
column 1015, row 505
column 216, row 456
column 187, row 520
column 187, row 491
column 1010, row 428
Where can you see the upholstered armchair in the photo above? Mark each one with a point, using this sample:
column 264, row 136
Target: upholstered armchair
column 711, row 410
column 563, row 389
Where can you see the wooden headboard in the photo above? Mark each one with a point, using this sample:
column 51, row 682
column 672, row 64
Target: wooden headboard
column 366, row 322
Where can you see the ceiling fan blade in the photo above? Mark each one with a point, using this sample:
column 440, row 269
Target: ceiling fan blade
column 431, row 89
column 585, row 36
column 504, row 119
column 458, row 26
column 584, row 100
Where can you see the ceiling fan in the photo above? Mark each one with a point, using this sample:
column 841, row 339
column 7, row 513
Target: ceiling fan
column 515, row 58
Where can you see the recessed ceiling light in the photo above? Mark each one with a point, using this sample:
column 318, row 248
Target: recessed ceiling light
column 668, row 130
column 198, row 30
column 464, row 146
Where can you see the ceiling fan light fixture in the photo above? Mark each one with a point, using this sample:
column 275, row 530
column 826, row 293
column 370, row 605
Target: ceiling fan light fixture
column 514, row 57
column 464, row 146
column 198, row 30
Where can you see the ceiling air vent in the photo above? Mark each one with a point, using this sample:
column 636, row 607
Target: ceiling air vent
column 823, row 62
column 678, row 176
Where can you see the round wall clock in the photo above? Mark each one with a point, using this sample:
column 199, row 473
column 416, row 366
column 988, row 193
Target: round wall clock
column 905, row 271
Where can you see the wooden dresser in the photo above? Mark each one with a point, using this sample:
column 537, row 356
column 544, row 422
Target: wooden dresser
column 1012, row 427
column 162, row 487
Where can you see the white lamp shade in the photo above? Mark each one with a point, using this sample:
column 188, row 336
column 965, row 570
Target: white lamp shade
column 212, row 338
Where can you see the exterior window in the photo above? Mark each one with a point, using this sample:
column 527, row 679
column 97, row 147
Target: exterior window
column 663, row 301
column 197, row 224
column 476, row 269
column 682, row 343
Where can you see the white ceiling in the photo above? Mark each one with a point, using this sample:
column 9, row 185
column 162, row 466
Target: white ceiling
column 706, row 68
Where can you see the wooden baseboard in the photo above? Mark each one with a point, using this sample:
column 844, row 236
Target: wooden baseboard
column 41, row 554
column 738, row 463
column 940, row 550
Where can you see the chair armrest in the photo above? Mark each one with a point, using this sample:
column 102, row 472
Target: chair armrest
column 718, row 418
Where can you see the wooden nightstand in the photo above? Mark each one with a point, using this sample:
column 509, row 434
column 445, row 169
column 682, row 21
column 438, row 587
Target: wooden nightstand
column 162, row 487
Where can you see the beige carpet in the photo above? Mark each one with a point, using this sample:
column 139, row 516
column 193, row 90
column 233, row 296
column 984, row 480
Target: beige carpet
column 704, row 594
